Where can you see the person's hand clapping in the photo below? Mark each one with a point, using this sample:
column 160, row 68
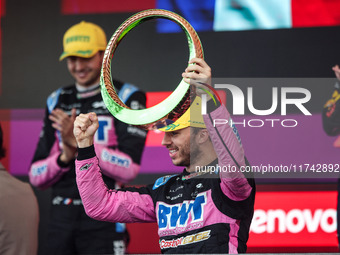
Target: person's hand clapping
column 64, row 124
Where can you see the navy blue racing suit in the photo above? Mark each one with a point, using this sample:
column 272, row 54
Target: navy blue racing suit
column 118, row 145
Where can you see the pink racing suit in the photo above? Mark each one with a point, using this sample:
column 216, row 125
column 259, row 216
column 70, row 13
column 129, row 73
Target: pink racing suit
column 195, row 212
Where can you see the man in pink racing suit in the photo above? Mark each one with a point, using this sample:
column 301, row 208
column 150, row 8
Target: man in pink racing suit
column 207, row 208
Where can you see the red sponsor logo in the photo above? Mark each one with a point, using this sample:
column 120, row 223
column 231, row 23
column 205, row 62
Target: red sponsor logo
column 194, row 238
column 171, row 243
column 294, row 219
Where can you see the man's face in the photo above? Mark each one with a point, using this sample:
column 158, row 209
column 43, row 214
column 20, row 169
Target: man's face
column 178, row 144
column 86, row 71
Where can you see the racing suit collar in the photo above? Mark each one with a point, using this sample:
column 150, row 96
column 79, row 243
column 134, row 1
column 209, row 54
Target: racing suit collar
column 86, row 89
column 188, row 175
column 87, row 92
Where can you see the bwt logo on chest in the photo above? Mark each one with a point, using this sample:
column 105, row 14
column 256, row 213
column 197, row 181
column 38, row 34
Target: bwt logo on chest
column 177, row 215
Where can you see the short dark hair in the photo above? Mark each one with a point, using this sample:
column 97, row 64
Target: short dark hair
column 2, row 149
column 195, row 130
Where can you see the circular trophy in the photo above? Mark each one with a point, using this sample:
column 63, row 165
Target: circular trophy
column 170, row 108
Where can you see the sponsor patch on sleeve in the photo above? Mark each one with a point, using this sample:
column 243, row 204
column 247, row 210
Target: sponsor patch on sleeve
column 85, row 167
column 39, row 170
column 161, row 181
column 115, row 159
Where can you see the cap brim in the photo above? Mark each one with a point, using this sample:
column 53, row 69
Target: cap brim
column 177, row 125
column 182, row 122
column 191, row 118
column 82, row 54
column 173, row 127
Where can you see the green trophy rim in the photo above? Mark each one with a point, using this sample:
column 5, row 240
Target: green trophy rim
column 145, row 117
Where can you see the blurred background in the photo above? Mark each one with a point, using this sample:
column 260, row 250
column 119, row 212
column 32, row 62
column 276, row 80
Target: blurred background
column 248, row 43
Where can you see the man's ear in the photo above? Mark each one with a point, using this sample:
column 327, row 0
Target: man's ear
column 202, row 136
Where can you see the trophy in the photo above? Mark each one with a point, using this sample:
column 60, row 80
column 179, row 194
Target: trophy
column 171, row 108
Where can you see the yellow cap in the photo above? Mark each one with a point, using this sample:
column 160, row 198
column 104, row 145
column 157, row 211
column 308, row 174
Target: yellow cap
column 191, row 118
column 84, row 40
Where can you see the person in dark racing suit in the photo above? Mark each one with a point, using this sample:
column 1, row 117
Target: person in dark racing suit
column 118, row 145
column 205, row 209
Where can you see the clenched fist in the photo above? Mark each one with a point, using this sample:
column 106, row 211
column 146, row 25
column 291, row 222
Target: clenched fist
column 85, row 126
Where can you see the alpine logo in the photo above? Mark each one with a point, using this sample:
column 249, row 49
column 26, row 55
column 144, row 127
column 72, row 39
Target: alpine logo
column 86, row 167
column 194, row 238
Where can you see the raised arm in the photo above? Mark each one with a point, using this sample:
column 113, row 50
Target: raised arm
column 101, row 203
column 224, row 136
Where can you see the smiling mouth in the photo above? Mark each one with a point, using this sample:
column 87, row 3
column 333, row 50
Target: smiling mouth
column 82, row 74
column 173, row 152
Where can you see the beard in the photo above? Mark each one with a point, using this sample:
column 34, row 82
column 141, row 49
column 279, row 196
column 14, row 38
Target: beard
column 184, row 155
column 189, row 154
column 195, row 153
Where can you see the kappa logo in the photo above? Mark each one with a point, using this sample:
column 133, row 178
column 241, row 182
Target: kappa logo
column 199, row 186
column 171, row 216
column 86, row 167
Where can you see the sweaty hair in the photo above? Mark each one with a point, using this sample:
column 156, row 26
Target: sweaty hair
column 2, row 149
